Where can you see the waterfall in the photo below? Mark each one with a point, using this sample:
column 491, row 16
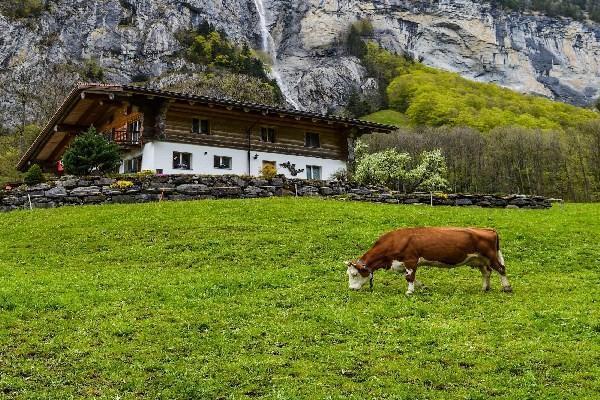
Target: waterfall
column 268, row 46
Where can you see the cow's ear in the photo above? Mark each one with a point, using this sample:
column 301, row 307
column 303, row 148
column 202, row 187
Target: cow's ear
column 348, row 263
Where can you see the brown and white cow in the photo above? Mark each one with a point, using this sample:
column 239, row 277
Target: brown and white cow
column 404, row 250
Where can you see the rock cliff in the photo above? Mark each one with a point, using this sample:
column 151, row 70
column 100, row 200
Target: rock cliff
column 558, row 58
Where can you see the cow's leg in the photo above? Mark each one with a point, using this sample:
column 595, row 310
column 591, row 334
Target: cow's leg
column 505, row 284
column 485, row 273
column 410, row 274
column 498, row 265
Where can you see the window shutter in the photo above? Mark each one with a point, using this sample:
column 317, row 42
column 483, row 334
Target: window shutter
column 204, row 126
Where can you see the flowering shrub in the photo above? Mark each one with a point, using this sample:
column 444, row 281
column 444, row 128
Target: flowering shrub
column 268, row 171
column 391, row 168
column 122, row 185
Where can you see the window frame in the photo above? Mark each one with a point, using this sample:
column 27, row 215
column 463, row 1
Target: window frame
column 181, row 154
column 308, row 143
column 200, row 124
column 310, row 172
column 221, row 158
column 270, row 130
column 132, row 165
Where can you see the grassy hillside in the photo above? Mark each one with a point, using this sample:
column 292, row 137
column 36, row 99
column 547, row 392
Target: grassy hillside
column 390, row 117
column 421, row 95
column 233, row 299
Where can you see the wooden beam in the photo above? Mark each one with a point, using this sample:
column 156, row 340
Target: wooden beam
column 69, row 128
column 60, row 147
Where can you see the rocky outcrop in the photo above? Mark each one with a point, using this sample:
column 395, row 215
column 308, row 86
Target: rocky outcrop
column 558, row 58
column 73, row 191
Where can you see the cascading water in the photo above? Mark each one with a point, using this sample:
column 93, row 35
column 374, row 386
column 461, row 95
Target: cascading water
column 268, row 46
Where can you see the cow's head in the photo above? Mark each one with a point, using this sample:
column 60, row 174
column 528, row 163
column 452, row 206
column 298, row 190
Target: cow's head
column 358, row 274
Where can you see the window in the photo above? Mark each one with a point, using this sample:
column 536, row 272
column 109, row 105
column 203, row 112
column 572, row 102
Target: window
column 313, row 172
column 133, row 131
column 222, row 162
column 133, row 165
column 312, row 140
column 200, row 126
column 267, row 134
column 182, row 160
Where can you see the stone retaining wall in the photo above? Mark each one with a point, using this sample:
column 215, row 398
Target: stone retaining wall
column 78, row 191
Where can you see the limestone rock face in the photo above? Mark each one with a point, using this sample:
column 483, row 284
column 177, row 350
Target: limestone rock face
column 557, row 58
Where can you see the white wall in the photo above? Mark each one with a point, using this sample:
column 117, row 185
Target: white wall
column 159, row 155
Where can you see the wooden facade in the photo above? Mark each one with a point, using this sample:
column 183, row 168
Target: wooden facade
column 133, row 117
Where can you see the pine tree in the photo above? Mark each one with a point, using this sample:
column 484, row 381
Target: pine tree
column 34, row 175
column 91, row 153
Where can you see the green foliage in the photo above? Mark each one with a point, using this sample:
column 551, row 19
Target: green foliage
column 11, row 144
column 421, row 95
column 232, row 71
column 430, row 174
column 249, row 298
column 388, row 117
column 576, row 9
column 562, row 164
column 91, row 153
column 34, row 175
column 92, row 71
column 268, row 171
column 383, row 66
column 122, row 185
column 213, row 49
column 22, row 8
column 432, row 97
column 340, row 175
column 387, row 167
column 392, row 169
column 221, row 83
column 354, row 41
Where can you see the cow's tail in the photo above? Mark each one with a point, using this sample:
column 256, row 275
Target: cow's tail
column 499, row 252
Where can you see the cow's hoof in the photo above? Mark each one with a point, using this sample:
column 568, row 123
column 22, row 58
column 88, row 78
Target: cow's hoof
column 408, row 293
column 507, row 289
column 486, row 289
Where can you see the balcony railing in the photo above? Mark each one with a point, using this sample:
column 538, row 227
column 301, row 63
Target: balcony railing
column 124, row 137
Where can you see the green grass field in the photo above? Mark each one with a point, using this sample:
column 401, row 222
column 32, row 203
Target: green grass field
column 239, row 299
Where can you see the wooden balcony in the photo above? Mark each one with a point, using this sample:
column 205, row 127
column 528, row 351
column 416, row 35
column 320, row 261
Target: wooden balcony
column 124, row 137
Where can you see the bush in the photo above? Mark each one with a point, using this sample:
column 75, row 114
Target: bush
column 34, row 175
column 92, row 71
column 145, row 175
column 268, row 171
column 122, row 185
column 392, row 169
column 91, row 153
column 341, row 175
column 22, row 8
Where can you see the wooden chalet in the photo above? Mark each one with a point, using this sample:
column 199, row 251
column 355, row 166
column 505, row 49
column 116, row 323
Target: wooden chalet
column 178, row 133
